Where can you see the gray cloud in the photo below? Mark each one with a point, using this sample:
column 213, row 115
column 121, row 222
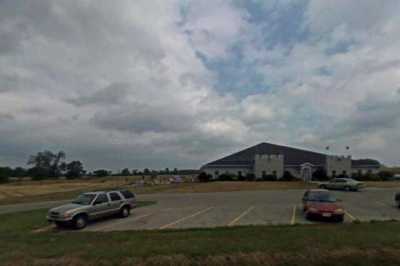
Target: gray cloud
column 112, row 94
column 141, row 118
column 6, row 116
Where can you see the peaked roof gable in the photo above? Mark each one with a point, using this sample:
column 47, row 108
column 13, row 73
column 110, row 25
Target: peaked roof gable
column 292, row 156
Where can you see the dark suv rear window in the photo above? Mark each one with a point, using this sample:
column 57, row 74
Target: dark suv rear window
column 127, row 194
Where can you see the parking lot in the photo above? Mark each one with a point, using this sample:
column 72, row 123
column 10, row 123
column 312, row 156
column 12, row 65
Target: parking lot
column 245, row 208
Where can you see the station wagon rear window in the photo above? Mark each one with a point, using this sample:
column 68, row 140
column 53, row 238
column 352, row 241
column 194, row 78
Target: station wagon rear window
column 127, row 194
column 114, row 196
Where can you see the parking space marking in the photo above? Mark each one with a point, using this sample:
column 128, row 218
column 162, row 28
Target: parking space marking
column 293, row 220
column 186, row 217
column 243, row 214
column 110, row 225
column 384, row 204
column 352, row 218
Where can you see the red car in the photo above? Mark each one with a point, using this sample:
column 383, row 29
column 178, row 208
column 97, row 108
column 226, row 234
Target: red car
column 320, row 203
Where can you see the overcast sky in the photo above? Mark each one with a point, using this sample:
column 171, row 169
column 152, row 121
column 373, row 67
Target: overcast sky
column 179, row 83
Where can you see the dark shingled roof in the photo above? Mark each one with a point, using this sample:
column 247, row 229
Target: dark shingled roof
column 292, row 156
column 366, row 163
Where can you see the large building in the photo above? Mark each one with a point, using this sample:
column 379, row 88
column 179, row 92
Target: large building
column 267, row 159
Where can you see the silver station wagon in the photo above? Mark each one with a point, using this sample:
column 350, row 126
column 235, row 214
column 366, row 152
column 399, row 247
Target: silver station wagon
column 93, row 205
column 347, row 184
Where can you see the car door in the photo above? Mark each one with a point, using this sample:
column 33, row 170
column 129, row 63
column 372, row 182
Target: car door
column 101, row 206
column 340, row 183
column 331, row 184
column 116, row 201
column 335, row 184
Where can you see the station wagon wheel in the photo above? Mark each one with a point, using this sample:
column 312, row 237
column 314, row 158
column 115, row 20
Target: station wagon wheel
column 80, row 221
column 125, row 212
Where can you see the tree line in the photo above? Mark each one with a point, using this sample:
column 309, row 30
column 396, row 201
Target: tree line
column 45, row 165
column 50, row 165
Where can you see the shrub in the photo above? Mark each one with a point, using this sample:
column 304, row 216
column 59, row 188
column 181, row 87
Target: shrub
column 250, row 177
column 101, row 173
column 38, row 173
column 269, row 178
column 203, row 177
column 385, row 175
column 320, row 175
column 287, row 176
column 226, row 177
column 369, row 177
column 241, row 177
column 3, row 179
column 5, row 172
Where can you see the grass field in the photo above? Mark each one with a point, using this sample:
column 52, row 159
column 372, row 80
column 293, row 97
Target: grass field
column 22, row 192
column 326, row 244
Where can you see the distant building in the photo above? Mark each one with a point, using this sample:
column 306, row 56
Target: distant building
column 270, row 159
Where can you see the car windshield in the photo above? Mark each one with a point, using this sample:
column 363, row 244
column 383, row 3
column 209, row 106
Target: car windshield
column 84, row 199
column 321, row 197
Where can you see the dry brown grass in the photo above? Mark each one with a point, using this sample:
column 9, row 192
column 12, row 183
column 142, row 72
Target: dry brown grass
column 32, row 188
column 237, row 186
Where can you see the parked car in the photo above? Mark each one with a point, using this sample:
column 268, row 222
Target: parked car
column 397, row 199
column 92, row 205
column 320, row 203
column 347, row 184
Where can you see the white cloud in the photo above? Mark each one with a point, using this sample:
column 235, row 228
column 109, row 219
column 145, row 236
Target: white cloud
column 120, row 84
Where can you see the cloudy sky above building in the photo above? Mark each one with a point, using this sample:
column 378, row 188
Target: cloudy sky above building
column 179, row 83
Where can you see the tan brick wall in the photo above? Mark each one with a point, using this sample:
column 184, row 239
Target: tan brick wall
column 338, row 164
column 268, row 164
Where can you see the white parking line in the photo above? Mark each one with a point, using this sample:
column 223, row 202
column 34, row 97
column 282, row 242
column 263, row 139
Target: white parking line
column 352, row 218
column 237, row 219
column 293, row 220
column 113, row 224
column 186, row 217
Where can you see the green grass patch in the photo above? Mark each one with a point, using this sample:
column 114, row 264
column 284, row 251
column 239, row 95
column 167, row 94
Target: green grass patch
column 370, row 243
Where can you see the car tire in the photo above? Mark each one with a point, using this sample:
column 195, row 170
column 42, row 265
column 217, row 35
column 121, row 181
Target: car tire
column 340, row 219
column 80, row 221
column 60, row 224
column 125, row 212
column 347, row 188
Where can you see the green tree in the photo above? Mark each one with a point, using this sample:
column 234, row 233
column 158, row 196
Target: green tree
column 20, row 172
column 46, row 164
column 74, row 169
column 101, row 173
column 5, row 173
column 125, row 172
